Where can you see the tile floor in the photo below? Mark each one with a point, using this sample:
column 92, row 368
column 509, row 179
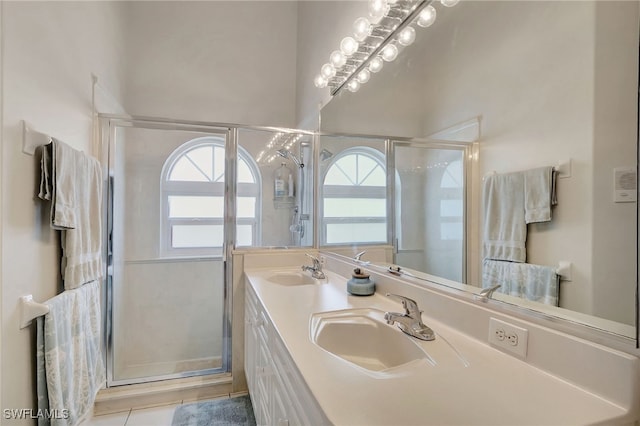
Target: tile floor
column 156, row 416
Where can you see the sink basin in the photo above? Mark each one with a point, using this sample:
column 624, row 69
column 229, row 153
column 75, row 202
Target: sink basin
column 291, row 278
column 362, row 337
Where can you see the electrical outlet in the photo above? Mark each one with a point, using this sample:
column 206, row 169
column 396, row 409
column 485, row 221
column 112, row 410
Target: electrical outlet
column 509, row 337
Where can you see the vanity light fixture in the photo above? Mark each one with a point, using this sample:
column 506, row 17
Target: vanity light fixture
column 376, row 38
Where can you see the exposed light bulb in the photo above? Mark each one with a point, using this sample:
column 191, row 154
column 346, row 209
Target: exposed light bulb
column 449, row 3
column 377, row 10
column 363, row 76
column 348, row 46
column 328, row 71
column 407, row 36
column 320, row 82
column 337, row 58
column 376, row 64
column 353, row 85
column 427, row 17
column 361, row 29
column 389, row 52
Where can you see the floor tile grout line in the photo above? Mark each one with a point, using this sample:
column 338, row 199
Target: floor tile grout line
column 128, row 415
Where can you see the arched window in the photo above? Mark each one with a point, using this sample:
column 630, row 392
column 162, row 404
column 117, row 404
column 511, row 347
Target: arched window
column 192, row 199
column 354, row 204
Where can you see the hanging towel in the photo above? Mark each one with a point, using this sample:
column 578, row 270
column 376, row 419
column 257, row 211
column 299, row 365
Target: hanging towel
column 70, row 370
column 505, row 229
column 532, row 282
column 82, row 246
column 539, row 194
column 72, row 181
column 58, row 178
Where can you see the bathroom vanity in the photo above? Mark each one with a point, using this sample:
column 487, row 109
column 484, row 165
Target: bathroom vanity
column 316, row 355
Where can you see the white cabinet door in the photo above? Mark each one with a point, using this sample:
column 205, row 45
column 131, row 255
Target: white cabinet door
column 278, row 391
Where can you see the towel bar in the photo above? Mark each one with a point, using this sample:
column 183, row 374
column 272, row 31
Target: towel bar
column 32, row 139
column 30, row 310
column 563, row 168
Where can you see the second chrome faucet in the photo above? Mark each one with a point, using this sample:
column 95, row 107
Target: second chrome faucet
column 316, row 269
column 410, row 322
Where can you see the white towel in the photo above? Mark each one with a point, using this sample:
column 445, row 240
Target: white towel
column 73, row 182
column 539, row 194
column 505, row 229
column 70, row 370
column 58, row 178
column 532, row 282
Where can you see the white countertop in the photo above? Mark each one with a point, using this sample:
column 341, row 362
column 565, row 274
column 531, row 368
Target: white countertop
column 491, row 388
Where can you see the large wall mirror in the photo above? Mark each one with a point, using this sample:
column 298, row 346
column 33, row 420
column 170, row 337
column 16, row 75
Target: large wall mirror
column 550, row 83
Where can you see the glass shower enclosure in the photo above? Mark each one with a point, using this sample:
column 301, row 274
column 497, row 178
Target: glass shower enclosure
column 168, row 237
column 182, row 196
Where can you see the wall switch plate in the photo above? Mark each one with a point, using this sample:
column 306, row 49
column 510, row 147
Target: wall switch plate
column 508, row 337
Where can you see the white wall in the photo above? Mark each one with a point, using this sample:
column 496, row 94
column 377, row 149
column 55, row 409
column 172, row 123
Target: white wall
column 221, row 61
column 321, row 26
column 50, row 50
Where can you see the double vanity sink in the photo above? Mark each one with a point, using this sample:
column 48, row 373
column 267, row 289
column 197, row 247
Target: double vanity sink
column 359, row 370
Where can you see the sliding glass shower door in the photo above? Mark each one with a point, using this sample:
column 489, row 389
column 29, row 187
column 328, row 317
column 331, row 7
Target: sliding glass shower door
column 431, row 196
column 168, row 210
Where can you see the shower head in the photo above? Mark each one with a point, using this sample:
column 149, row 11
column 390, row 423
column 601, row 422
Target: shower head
column 285, row 153
column 325, row 154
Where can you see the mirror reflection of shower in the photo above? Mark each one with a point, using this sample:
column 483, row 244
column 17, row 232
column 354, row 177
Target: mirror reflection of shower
column 294, row 153
column 285, row 153
column 297, row 225
column 325, row 154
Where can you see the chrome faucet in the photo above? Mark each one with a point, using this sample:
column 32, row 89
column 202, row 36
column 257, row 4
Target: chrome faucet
column 411, row 321
column 316, row 269
column 358, row 258
column 486, row 293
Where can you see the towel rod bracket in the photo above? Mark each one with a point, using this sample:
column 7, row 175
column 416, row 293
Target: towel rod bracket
column 564, row 270
column 563, row 168
column 32, row 139
column 30, row 310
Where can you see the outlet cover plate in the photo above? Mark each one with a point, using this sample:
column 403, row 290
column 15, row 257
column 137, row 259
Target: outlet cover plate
column 502, row 335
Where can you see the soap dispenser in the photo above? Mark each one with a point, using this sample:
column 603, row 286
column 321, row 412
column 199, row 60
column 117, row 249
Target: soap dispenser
column 360, row 283
column 282, row 181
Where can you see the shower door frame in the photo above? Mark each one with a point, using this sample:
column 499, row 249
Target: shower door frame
column 467, row 150
column 108, row 126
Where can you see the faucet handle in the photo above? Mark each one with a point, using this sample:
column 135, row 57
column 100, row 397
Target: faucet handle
column 410, row 305
column 486, row 293
column 316, row 261
column 358, row 258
